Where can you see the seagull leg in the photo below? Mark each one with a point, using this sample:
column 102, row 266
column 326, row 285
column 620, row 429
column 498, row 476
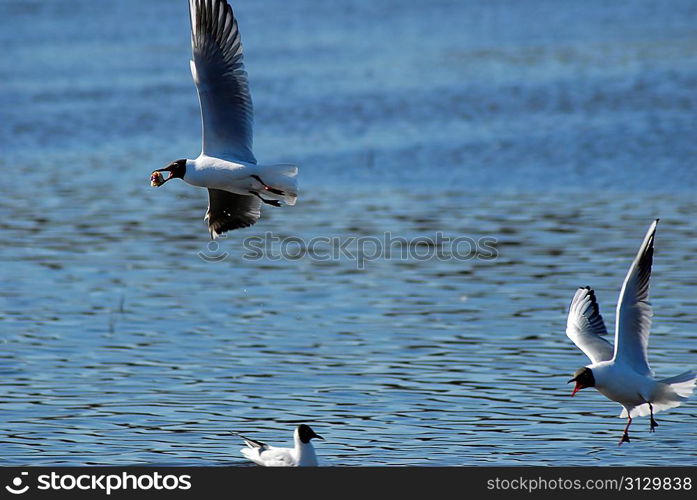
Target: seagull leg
column 625, row 436
column 267, row 187
column 274, row 203
column 654, row 424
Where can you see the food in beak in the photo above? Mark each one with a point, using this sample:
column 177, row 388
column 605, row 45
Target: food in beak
column 156, row 179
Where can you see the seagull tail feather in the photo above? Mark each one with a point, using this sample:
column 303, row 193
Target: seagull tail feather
column 671, row 392
column 282, row 177
column 682, row 384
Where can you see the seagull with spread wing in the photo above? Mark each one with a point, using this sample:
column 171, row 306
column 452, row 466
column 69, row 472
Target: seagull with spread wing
column 622, row 373
column 237, row 185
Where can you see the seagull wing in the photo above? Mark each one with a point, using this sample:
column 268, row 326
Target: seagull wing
column 228, row 211
column 585, row 326
column 254, row 444
column 268, row 456
column 634, row 311
column 221, row 80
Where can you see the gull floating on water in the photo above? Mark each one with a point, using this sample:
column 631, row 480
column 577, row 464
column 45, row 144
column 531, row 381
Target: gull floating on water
column 237, row 185
column 622, row 373
column 302, row 455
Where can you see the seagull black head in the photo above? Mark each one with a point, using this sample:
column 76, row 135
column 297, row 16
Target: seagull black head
column 305, row 433
column 583, row 378
column 176, row 169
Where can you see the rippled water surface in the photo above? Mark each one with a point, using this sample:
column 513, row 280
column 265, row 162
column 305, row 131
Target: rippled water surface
column 557, row 130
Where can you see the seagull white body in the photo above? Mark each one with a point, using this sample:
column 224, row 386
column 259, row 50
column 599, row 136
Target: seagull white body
column 622, row 373
column 301, row 455
column 619, row 382
column 237, row 185
column 231, row 176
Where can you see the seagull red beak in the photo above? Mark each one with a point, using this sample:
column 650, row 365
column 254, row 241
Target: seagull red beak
column 577, row 388
column 156, row 179
column 170, row 170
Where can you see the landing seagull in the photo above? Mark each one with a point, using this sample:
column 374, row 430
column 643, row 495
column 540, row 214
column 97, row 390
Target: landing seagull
column 622, row 373
column 302, row 455
column 237, row 185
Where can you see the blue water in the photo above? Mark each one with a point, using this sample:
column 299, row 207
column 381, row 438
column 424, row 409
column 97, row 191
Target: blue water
column 558, row 129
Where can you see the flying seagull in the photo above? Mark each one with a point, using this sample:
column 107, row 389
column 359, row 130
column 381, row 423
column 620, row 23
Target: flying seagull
column 622, row 373
column 302, row 455
column 237, row 185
